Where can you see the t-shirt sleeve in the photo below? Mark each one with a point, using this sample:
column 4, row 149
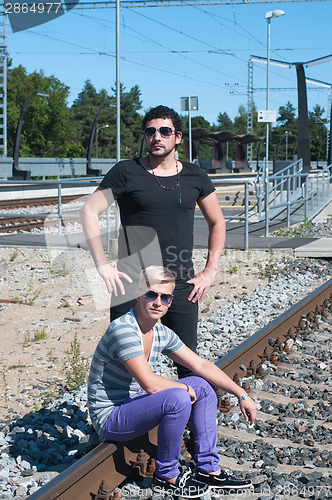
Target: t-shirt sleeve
column 174, row 343
column 207, row 186
column 115, row 179
column 125, row 344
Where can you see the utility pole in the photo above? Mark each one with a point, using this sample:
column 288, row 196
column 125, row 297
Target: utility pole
column 250, row 107
column 3, row 84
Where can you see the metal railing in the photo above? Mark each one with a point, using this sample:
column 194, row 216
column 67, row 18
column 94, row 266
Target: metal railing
column 259, row 184
column 55, row 167
column 288, row 187
column 58, row 186
column 318, row 192
column 286, row 180
column 292, row 188
column 64, row 213
column 245, row 216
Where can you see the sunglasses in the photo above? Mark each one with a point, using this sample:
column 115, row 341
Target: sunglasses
column 166, row 298
column 165, row 132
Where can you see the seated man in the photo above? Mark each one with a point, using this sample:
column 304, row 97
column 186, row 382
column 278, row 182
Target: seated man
column 126, row 399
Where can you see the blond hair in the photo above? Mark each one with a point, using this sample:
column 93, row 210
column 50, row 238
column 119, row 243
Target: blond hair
column 154, row 274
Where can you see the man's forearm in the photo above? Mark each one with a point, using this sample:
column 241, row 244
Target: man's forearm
column 216, row 242
column 218, row 378
column 91, row 229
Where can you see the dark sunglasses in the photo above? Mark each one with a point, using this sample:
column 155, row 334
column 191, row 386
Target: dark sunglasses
column 165, row 132
column 166, row 298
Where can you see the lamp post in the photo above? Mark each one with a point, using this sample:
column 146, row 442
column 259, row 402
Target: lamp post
column 268, row 17
column 286, row 134
column 97, row 132
column 17, row 172
column 89, row 170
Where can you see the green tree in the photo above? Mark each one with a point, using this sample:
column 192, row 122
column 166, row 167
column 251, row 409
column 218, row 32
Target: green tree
column 84, row 110
column 47, row 127
column 86, row 107
column 317, row 133
column 131, row 121
column 285, row 133
column 205, row 145
column 224, row 122
column 258, row 129
column 287, row 117
column 240, row 121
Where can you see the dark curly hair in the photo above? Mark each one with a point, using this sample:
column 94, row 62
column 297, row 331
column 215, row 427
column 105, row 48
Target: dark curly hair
column 163, row 112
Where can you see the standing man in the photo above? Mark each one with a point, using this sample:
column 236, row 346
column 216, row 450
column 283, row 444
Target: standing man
column 157, row 196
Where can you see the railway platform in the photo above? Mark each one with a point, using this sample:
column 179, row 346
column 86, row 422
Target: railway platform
column 302, row 247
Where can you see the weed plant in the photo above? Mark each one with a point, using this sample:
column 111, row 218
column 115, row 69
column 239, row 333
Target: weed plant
column 270, row 269
column 233, row 268
column 29, row 294
column 75, row 366
column 4, row 372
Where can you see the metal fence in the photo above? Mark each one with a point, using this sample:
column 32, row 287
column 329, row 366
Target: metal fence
column 68, row 212
column 288, row 188
column 55, row 167
column 293, row 193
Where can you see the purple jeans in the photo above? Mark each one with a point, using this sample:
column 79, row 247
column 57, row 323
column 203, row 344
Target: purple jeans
column 170, row 409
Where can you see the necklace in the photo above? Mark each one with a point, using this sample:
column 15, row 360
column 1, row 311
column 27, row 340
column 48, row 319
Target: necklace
column 177, row 185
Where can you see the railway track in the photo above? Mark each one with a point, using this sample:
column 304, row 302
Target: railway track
column 34, row 202
column 280, row 452
column 24, row 222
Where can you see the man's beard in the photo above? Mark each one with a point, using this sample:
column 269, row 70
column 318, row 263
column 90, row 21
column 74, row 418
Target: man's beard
column 161, row 153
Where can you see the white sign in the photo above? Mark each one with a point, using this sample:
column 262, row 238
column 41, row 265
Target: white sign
column 268, row 115
column 193, row 103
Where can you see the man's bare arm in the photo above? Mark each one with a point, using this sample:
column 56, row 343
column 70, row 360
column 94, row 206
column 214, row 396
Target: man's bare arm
column 210, row 208
column 96, row 204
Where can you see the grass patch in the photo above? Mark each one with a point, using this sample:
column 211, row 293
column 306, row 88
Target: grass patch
column 40, row 334
column 20, row 365
column 35, row 336
column 302, row 230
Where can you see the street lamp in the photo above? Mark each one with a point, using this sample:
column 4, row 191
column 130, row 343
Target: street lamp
column 268, row 17
column 89, row 170
column 17, row 172
column 97, row 132
column 287, row 134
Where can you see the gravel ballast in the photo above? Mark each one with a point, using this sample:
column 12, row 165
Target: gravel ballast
column 37, row 445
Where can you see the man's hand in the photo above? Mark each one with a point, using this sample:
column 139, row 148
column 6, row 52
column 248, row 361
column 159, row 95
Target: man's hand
column 248, row 408
column 192, row 395
column 202, row 283
column 112, row 276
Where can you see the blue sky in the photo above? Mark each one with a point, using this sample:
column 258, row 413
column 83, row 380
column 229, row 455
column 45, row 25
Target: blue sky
column 170, row 52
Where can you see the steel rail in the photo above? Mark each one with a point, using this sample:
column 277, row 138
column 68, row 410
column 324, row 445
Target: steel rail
column 28, row 202
column 108, row 463
column 278, row 328
column 98, row 473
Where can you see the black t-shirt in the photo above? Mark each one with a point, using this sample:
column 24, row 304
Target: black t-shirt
column 157, row 224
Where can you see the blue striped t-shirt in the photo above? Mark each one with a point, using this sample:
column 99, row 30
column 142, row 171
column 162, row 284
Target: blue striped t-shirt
column 109, row 382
